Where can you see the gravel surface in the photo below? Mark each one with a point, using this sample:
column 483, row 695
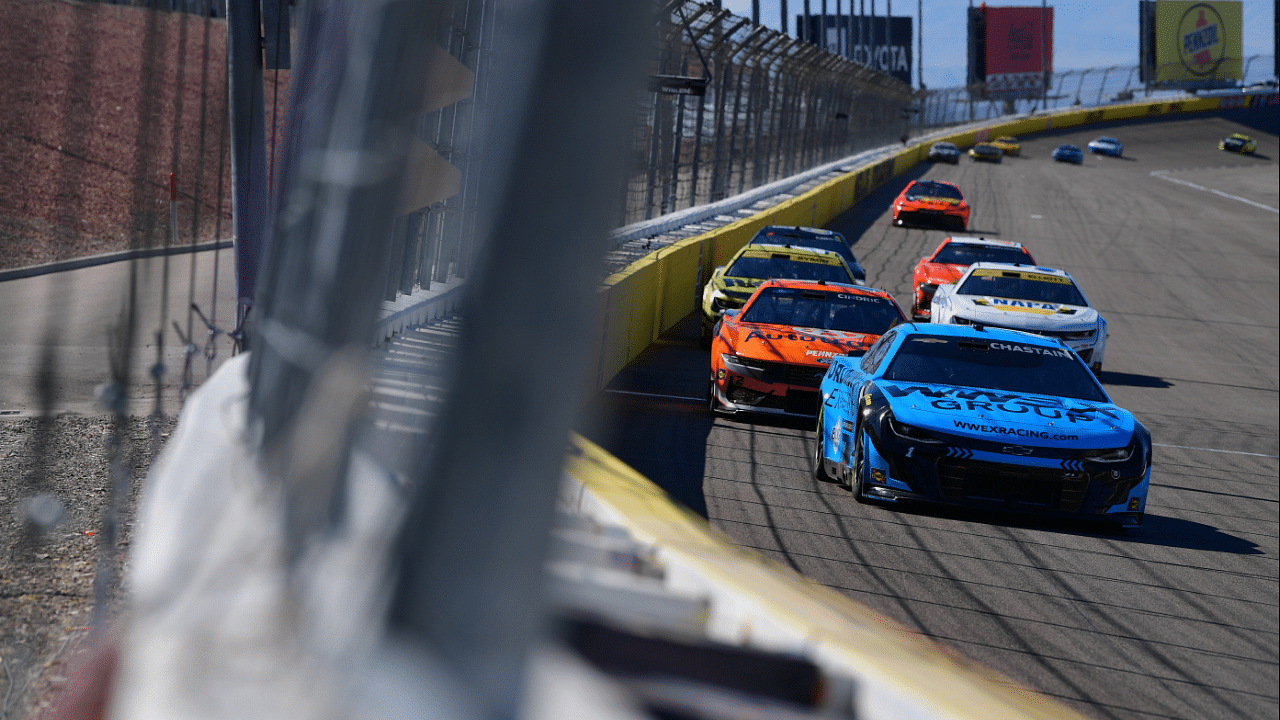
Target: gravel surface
column 47, row 580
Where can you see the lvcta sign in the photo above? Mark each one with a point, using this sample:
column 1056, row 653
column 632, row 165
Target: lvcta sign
column 861, row 38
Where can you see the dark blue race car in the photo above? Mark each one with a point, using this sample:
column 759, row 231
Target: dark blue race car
column 981, row 417
column 1068, row 153
column 810, row 237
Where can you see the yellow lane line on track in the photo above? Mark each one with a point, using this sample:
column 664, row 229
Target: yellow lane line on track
column 1161, row 174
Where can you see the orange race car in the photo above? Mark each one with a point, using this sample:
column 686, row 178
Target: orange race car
column 770, row 356
column 931, row 202
column 949, row 262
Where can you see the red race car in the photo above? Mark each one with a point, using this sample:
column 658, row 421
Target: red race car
column 770, row 356
column 931, row 202
column 951, row 259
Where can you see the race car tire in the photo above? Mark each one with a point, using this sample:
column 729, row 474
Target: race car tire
column 819, row 453
column 859, row 470
column 713, row 405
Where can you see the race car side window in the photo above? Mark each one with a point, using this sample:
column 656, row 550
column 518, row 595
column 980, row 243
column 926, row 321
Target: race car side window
column 872, row 359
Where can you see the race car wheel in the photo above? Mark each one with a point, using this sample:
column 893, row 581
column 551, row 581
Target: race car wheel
column 859, row 469
column 819, row 452
column 713, row 405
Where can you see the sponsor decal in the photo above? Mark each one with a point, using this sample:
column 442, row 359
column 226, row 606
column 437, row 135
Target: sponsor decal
column 877, row 476
column 1094, row 116
column 720, row 374
column 1134, row 504
column 973, row 400
column 835, row 437
column 765, row 336
column 1026, row 306
column 1198, row 41
column 1018, row 432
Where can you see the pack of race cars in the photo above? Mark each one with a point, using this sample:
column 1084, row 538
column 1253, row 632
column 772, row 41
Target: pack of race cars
column 985, row 395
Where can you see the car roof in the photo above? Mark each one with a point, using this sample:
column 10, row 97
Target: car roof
column 913, row 183
column 945, row 143
column 1021, row 268
column 966, row 240
column 1242, row 136
column 794, row 230
column 969, row 331
column 1007, row 137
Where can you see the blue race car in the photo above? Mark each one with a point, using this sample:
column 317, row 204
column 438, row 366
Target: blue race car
column 981, row 417
column 810, row 237
column 1068, row 153
column 1107, row 146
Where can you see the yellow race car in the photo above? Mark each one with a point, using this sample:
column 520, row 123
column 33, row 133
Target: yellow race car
column 1239, row 143
column 1008, row 145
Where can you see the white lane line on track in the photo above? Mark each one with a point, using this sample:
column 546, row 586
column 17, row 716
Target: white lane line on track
column 1161, row 174
column 1232, row 452
column 685, row 398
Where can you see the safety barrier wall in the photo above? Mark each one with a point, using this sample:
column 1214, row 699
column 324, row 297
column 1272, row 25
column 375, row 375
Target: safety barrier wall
column 649, row 296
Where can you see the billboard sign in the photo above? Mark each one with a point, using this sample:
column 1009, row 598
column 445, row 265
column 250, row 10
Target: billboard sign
column 861, row 38
column 1198, row 42
column 1016, row 62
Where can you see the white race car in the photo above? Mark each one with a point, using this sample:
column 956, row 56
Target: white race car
column 1033, row 299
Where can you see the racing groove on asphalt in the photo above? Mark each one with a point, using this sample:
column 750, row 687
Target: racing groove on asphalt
column 1177, row 619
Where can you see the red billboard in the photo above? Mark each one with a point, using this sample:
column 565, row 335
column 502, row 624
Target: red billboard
column 1018, row 39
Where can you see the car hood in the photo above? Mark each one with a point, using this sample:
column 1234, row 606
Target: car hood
column 796, row 346
column 738, row 288
column 942, row 273
column 1024, row 314
column 997, row 416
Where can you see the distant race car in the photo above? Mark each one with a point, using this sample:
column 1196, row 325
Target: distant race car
column 931, row 202
column 731, row 285
column 770, row 356
column 949, row 261
column 986, row 152
column 1107, row 146
column 1238, row 143
column 1068, row 153
column 943, row 152
column 1008, row 145
column 1029, row 298
column 985, row 418
column 810, row 237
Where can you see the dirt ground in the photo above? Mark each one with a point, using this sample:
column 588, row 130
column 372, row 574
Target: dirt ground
column 47, row 578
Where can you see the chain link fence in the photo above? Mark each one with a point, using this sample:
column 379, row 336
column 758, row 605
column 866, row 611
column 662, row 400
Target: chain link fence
column 734, row 106
column 1071, row 88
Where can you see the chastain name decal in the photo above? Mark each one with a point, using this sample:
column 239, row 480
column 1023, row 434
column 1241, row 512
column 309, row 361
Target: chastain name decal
column 1020, row 432
column 1032, row 349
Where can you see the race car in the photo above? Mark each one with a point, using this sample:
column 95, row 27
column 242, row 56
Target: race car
column 1107, row 146
column 1008, row 146
column 1238, row 143
column 986, row 152
column 1068, row 153
column 810, row 237
column 770, row 356
column 943, row 152
column 731, row 285
column 948, row 263
column 1029, row 298
column 931, row 202
column 981, row 417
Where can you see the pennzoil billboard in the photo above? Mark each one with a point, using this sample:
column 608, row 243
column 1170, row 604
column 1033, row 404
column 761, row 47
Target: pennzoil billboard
column 1010, row 50
column 1191, row 44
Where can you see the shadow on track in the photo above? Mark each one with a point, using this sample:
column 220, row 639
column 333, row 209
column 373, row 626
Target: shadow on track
column 653, row 416
column 861, row 217
column 1106, row 377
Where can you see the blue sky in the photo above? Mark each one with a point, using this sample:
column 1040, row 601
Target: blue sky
column 1086, row 34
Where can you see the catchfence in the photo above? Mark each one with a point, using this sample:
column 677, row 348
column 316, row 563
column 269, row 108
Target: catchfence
column 1083, row 87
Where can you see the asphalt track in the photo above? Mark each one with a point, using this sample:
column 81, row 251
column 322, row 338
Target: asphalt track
column 1177, row 619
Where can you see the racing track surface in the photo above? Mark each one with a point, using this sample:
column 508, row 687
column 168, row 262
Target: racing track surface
column 1177, row 619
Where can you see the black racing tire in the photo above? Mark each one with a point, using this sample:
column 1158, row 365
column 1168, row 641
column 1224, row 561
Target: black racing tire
column 858, row 471
column 819, row 451
column 713, row 405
